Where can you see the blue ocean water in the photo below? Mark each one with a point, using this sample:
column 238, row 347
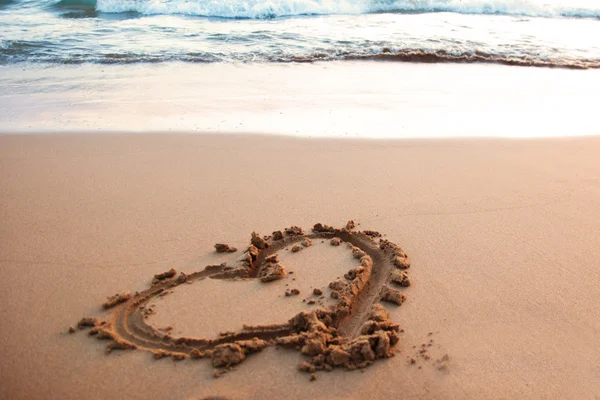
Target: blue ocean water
column 523, row 32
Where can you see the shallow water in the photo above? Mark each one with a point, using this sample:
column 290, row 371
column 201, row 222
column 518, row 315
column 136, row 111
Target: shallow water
column 328, row 99
column 130, row 31
column 233, row 66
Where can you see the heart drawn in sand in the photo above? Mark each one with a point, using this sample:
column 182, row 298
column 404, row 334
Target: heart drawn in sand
column 352, row 333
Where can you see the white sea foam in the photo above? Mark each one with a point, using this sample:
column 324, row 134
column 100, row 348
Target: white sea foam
column 276, row 8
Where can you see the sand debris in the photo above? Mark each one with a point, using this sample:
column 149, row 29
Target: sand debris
column 116, row 299
column 165, row 275
column 294, row 231
column 392, row 295
column 258, row 242
column 158, row 354
column 320, row 228
column 271, row 270
column 357, row 253
column 249, row 257
column 87, row 322
column 229, row 354
column 378, row 313
column 222, row 248
column 277, row 235
column 372, row 234
column 353, row 273
column 400, row 278
column 401, row 262
column 178, row 357
column 399, row 257
column 319, row 340
column 335, row 241
column 385, row 244
column 273, row 258
column 119, row 345
column 338, row 285
column 196, row 354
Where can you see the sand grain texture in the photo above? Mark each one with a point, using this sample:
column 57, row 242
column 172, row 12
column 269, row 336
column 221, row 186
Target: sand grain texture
column 502, row 235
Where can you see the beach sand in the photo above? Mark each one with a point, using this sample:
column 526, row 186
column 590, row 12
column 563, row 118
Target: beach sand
column 502, row 235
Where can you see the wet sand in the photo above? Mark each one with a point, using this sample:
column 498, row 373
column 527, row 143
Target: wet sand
column 332, row 99
column 502, row 235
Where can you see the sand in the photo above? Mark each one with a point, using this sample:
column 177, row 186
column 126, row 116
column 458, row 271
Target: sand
column 502, row 237
column 351, row 333
column 306, row 272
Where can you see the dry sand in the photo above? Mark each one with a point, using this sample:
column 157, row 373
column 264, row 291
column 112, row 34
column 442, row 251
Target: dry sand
column 502, row 234
column 253, row 302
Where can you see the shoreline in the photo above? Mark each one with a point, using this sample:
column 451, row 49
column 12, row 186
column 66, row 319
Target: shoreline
column 334, row 99
column 502, row 235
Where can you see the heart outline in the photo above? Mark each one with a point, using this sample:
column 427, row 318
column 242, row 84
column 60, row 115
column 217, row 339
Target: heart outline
column 353, row 322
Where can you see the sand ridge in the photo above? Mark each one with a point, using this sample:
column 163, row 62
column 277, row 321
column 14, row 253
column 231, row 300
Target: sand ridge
column 352, row 333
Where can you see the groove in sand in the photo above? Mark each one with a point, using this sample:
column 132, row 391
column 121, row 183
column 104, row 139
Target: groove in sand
column 352, row 333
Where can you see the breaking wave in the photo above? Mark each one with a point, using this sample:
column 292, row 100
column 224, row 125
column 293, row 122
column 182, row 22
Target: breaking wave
column 261, row 9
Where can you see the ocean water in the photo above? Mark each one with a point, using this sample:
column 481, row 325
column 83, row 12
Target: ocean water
column 522, row 32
